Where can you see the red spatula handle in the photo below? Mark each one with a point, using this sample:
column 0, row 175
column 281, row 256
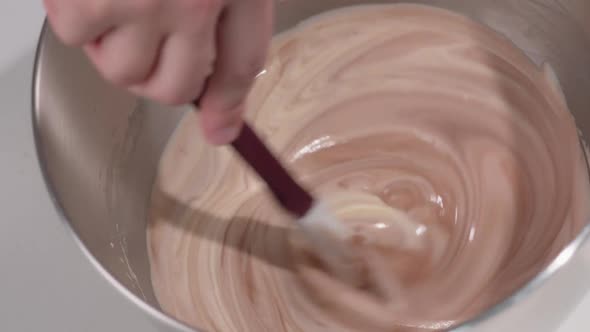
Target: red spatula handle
column 285, row 189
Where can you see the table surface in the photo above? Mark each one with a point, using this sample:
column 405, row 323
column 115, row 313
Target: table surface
column 47, row 284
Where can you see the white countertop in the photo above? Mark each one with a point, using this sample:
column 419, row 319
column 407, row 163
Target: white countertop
column 46, row 283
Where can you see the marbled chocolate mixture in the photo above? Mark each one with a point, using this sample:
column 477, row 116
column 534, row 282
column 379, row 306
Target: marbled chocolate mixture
column 452, row 156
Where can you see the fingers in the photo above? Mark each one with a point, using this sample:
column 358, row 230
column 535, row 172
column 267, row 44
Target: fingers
column 78, row 22
column 165, row 50
column 242, row 41
column 184, row 64
column 126, row 55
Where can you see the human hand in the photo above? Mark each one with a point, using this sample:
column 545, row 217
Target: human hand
column 166, row 50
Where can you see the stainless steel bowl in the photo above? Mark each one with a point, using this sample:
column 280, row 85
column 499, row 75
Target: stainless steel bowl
column 99, row 147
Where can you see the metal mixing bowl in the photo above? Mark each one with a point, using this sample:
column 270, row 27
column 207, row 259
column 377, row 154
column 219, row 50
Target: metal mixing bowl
column 98, row 148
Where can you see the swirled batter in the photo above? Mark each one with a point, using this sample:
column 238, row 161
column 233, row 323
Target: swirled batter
column 452, row 157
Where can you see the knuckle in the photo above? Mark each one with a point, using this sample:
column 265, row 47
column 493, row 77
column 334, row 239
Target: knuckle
column 132, row 71
column 201, row 6
column 67, row 35
column 147, row 6
column 96, row 11
column 61, row 24
column 118, row 75
column 122, row 70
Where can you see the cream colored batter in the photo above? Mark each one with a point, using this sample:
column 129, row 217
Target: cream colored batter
column 453, row 158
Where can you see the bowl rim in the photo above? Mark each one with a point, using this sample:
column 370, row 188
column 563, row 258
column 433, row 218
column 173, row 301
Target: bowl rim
column 562, row 259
